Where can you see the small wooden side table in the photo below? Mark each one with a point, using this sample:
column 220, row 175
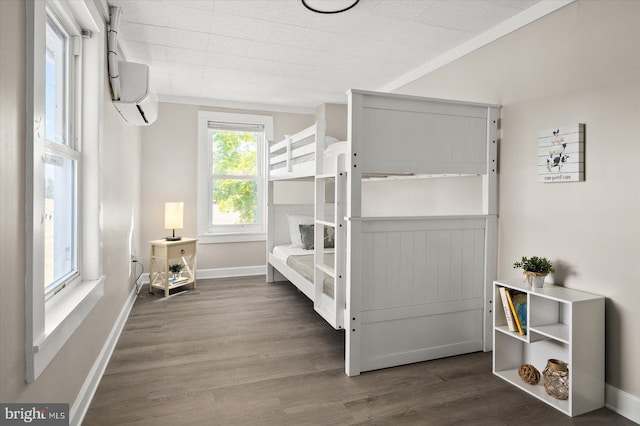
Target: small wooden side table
column 164, row 253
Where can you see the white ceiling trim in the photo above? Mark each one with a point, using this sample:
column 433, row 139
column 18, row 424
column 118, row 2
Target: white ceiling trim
column 187, row 100
column 525, row 17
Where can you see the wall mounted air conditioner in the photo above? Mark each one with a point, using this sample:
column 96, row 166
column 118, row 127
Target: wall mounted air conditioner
column 138, row 104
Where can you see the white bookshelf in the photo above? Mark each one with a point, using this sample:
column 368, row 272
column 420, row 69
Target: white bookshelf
column 563, row 324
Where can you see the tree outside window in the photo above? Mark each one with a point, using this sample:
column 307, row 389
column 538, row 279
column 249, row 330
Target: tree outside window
column 235, row 176
column 231, row 176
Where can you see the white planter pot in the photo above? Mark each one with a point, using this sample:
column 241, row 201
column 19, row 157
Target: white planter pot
column 538, row 282
column 535, row 281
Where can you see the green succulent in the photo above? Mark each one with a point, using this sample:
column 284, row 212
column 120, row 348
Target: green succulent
column 539, row 265
column 176, row 268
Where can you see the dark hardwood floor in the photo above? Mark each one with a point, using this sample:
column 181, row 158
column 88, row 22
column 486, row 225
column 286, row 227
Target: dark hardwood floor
column 243, row 352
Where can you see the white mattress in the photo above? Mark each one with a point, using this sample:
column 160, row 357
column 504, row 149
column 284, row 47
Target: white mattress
column 284, row 251
column 303, row 264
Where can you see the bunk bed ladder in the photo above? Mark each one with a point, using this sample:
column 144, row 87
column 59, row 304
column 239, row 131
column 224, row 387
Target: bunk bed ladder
column 330, row 308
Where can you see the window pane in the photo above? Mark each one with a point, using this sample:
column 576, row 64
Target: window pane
column 234, row 152
column 60, row 220
column 56, row 84
column 235, row 201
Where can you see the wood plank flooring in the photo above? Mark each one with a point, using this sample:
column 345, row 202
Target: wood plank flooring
column 242, row 352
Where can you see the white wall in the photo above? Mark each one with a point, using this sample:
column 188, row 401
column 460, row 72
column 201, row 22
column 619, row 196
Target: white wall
column 62, row 380
column 336, row 116
column 461, row 195
column 169, row 173
column 577, row 65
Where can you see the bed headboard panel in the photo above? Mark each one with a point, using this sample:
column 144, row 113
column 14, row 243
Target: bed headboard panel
column 405, row 134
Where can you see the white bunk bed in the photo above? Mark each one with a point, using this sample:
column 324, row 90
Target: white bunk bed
column 310, row 154
column 405, row 289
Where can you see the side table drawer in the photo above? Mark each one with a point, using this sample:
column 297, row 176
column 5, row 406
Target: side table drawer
column 177, row 251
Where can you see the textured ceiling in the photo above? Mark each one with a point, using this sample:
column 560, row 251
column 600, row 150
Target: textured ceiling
column 278, row 52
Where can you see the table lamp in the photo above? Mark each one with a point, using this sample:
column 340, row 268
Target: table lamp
column 173, row 219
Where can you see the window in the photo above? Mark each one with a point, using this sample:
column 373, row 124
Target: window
column 231, row 183
column 62, row 159
column 65, row 80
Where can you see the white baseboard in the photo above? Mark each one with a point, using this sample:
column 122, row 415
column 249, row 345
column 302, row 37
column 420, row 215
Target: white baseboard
column 241, row 271
column 623, row 403
column 80, row 406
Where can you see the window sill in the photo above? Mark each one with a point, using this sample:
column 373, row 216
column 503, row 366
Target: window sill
column 231, row 238
column 63, row 315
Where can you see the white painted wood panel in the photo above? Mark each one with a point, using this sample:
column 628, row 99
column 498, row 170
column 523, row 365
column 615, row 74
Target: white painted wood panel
column 422, row 143
column 422, row 310
column 422, row 104
column 414, row 339
column 405, row 266
column 423, row 289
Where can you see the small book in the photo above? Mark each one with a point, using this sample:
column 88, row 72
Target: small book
column 173, row 280
column 513, row 312
column 520, row 305
column 507, row 310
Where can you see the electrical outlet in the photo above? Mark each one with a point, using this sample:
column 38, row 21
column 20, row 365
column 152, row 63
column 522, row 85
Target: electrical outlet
column 133, row 258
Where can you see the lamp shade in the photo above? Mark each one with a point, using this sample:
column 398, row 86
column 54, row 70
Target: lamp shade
column 173, row 215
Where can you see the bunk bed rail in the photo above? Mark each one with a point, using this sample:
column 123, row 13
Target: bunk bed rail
column 294, row 157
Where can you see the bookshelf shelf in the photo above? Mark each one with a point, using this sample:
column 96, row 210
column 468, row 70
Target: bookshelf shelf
column 556, row 331
column 536, row 391
column 562, row 324
column 514, row 334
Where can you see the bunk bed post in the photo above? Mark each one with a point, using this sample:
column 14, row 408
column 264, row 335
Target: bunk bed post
column 490, row 179
column 289, row 156
column 490, row 209
column 353, row 332
column 339, row 296
column 319, row 215
column 269, row 219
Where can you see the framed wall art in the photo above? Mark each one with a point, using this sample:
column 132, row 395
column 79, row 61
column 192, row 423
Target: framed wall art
column 561, row 154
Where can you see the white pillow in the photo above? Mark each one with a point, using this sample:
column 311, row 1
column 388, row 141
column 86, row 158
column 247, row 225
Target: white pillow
column 328, row 140
column 295, row 220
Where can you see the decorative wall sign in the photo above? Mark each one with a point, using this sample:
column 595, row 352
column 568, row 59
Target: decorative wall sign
column 561, row 154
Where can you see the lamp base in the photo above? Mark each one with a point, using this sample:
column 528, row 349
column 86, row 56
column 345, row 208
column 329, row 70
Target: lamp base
column 174, row 238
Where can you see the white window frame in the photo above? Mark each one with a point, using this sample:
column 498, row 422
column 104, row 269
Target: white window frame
column 70, row 148
column 207, row 232
column 50, row 321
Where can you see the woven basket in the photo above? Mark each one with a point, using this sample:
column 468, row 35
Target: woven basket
column 556, row 379
column 529, row 374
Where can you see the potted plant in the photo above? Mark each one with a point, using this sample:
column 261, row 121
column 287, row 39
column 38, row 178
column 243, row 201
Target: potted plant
column 535, row 268
column 175, row 269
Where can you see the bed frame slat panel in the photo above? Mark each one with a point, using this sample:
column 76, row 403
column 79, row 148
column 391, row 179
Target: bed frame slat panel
column 421, row 276
column 423, row 142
